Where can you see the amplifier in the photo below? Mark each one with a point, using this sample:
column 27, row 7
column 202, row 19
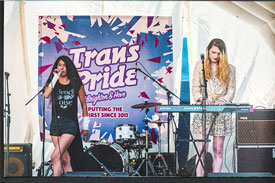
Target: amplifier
column 257, row 128
column 255, row 159
column 20, row 160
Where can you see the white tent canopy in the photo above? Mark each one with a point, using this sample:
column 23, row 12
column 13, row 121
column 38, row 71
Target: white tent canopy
column 246, row 27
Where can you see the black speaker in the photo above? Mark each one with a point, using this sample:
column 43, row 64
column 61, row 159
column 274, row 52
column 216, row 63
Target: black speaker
column 20, row 160
column 257, row 128
column 256, row 159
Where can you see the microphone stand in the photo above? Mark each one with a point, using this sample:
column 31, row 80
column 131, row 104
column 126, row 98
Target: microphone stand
column 203, row 151
column 8, row 121
column 43, row 140
column 168, row 92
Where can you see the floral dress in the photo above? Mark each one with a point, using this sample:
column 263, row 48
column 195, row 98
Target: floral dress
column 223, row 125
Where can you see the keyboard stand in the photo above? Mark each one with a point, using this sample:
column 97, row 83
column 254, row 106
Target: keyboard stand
column 205, row 140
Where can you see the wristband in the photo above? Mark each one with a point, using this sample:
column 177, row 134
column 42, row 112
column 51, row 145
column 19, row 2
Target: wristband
column 54, row 80
column 85, row 124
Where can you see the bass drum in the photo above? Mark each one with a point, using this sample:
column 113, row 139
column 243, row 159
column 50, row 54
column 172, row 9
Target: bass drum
column 111, row 155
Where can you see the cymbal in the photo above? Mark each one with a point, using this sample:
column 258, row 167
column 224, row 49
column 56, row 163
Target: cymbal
column 158, row 122
column 145, row 105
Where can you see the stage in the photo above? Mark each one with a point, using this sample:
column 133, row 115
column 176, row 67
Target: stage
column 140, row 179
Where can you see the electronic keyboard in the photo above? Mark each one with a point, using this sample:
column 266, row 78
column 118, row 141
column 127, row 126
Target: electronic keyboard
column 227, row 107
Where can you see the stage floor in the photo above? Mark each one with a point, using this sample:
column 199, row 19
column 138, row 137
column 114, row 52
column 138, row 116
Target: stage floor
column 139, row 180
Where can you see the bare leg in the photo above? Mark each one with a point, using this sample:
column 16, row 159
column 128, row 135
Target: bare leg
column 200, row 170
column 64, row 142
column 218, row 153
column 66, row 161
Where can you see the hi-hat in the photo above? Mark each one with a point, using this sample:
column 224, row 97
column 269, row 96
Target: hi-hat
column 145, row 105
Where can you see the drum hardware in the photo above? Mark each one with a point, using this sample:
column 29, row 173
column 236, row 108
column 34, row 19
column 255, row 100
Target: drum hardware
column 41, row 168
column 101, row 164
column 141, row 141
column 126, row 137
column 147, row 161
column 162, row 167
column 112, row 155
column 93, row 141
column 145, row 105
column 103, row 141
column 132, row 164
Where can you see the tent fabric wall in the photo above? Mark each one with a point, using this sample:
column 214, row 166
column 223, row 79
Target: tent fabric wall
column 248, row 48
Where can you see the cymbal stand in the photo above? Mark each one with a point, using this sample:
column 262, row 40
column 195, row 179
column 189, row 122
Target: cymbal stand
column 146, row 160
column 159, row 157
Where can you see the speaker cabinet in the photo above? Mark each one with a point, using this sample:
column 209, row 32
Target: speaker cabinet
column 256, row 159
column 257, row 128
column 20, row 160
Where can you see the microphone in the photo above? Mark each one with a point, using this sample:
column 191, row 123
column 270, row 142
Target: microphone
column 7, row 74
column 56, row 71
column 202, row 57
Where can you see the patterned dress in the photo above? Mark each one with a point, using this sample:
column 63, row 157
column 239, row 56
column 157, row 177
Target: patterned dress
column 223, row 125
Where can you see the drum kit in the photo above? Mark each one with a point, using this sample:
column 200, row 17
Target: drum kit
column 130, row 152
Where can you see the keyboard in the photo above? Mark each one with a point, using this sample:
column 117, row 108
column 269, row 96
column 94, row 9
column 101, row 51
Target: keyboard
column 227, row 107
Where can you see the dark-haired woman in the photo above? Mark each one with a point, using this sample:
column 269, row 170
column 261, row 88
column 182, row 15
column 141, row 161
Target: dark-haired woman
column 221, row 89
column 64, row 86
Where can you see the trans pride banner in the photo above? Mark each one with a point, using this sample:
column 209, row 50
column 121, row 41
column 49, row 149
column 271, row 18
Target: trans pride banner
column 106, row 51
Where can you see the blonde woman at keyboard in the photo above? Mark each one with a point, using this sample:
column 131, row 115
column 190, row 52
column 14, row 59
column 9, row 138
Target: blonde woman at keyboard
column 220, row 76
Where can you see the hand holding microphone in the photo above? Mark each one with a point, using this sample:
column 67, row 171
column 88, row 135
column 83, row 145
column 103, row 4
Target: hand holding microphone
column 56, row 74
column 56, row 71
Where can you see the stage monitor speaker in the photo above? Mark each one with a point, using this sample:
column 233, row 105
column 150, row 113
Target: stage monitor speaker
column 257, row 128
column 256, row 159
column 20, row 160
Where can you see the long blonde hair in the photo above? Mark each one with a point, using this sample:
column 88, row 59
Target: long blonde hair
column 223, row 67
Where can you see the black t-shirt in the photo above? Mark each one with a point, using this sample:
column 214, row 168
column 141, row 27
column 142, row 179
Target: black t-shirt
column 65, row 100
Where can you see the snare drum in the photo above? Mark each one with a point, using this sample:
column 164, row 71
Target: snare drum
column 125, row 133
column 111, row 155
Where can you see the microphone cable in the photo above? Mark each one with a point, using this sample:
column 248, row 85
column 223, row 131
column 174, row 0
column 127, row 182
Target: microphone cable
column 56, row 127
column 143, row 67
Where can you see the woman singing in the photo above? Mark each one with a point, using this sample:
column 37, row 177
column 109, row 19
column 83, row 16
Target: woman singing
column 63, row 87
